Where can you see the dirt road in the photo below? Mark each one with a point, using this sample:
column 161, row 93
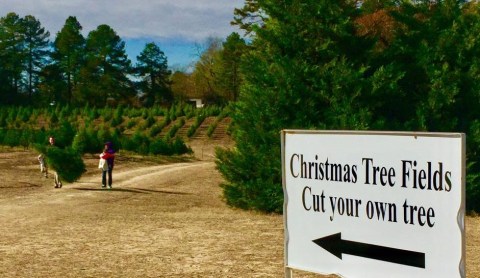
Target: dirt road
column 161, row 219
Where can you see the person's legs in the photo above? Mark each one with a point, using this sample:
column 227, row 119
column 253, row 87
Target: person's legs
column 104, row 178
column 110, row 177
column 43, row 169
column 56, row 180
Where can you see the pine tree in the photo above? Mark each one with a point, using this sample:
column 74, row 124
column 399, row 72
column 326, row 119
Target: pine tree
column 36, row 44
column 105, row 75
column 305, row 70
column 230, row 76
column 68, row 54
column 152, row 69
column 12, row 57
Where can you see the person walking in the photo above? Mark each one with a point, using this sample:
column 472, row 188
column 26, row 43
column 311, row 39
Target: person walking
column 109, row 156
column 43, row 165
column 65, row 164
column 56, row 180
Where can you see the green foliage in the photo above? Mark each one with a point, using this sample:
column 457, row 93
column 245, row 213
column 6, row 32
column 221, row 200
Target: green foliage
column 229, row 73
column 131, row 123
column 319, row 72
column 173, row 130
column 77, row 130
column 193, row 128
column 104, row 135
column 95, row 70
column 188, row 111
column 155, row 130
column 211, row 128
column 107, row 114
column 149, row 121
column 104, row 76
column 152, row 70
column 79, row 143
column 66, row 162
column 3, row 118
column 166, row 147
column 220, row 117
column 11, row 137
column 53, row 119
column 117, row 116
column 172, row 113
column 178, row 146
column 64, row 134
column 93, row 144
column 69, row 53
column 145, row 113
column 166, row 121
column 212, row 110
column 159, row 146
column 141, row 143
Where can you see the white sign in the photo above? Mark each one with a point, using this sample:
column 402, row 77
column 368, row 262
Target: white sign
column 374, row 204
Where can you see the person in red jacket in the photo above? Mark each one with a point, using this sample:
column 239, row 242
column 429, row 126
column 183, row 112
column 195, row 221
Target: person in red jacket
column 109, row 155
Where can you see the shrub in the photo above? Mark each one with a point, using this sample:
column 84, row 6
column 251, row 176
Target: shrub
column 157, row 111
column 3, row 120
column 138, row 143
column 117, row 117
column 212, row 128
column 171, row 133
column 116, row 139
column 131, row 123
column 93, row 114
column 133, row 113
column 189, row 111
column 145, row 113
column 92, row 145
column 107, row 114
column 156, row 129
column 79, row 143
column 149, row 121
column 53, row 119
column 193, row 128
column 64, row 134
column 26, row 138
column 160, row 146
column 11, row 137
column 66, row 162
column 179, row 147
column 104, row 135
column 23, row 115
column 172, row 113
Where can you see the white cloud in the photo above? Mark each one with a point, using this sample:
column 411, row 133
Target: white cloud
column 193, row 20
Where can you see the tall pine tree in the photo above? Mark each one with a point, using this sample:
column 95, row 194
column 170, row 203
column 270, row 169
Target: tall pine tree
column 105, row 75
column 68, row 55
column 12, row 57
column 36, row 48
column 152, row 69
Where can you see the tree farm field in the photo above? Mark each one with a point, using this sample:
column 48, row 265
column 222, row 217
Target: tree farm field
column 164, row 217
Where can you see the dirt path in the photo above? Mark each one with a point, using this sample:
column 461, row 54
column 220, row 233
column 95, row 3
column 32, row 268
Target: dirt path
column 159, row 220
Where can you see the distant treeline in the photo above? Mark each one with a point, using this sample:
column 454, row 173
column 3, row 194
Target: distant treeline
column 72, row 69
column 95, row 70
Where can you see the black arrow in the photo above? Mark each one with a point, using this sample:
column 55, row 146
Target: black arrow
column 335, row 245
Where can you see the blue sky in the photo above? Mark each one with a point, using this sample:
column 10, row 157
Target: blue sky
column 175, row 26
column 180, row 52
